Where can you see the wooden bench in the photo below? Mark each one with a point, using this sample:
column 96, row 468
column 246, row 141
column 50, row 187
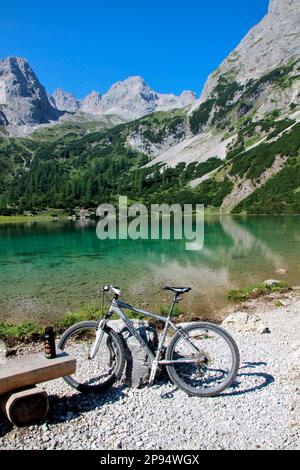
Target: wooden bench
column 21, row 401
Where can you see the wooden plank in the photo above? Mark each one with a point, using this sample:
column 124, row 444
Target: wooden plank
column 31, row 370
column 25, row 407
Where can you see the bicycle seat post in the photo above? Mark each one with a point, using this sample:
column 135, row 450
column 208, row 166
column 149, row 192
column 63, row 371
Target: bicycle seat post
column 175, row 301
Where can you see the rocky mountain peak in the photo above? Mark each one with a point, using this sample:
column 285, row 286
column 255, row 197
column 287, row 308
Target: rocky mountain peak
column 91, row 103
column 187, row 97
column 94, row 95
column 65, row 101
column 133, row 98
column 18, row 79
column 23, row 100
column 131, row 85
column 136, row 80
column 14, row 62
column 130, row 98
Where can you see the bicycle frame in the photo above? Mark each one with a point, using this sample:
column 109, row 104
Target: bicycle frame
column 116, row 307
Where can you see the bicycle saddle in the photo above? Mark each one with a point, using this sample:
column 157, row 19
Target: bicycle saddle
column 178, row 290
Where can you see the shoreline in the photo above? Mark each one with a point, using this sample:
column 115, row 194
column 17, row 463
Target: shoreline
column 162, row 417
column 18, row 219
column 27, row 333
column 46, row 217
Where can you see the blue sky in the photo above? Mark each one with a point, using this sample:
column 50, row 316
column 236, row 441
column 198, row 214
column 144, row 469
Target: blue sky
column 88, row 45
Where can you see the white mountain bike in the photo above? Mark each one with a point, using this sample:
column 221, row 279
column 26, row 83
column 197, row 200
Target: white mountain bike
column 201, row 358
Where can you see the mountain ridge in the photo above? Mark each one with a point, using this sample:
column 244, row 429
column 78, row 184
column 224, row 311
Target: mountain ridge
column 131, row 99
column 25, row 104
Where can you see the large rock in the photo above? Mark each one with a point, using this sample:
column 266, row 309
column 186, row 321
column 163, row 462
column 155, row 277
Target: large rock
column 244, row 321
column 138, row 368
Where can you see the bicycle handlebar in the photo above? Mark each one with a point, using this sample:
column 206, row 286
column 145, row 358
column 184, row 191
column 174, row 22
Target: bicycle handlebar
column 114, row 290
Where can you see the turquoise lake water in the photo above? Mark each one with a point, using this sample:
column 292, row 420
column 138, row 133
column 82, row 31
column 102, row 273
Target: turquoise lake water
column 47, row 269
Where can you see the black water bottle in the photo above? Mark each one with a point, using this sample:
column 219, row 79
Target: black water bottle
column 49, row 343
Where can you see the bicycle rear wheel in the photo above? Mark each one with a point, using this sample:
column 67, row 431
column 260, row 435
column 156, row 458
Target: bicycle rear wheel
column 212, row 360
column 93, row 375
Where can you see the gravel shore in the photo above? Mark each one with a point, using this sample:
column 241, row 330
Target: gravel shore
column 260, row 412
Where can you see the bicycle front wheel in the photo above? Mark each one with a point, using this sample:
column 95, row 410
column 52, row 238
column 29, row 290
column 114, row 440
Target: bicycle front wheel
column 99, row 373
column 206, row 360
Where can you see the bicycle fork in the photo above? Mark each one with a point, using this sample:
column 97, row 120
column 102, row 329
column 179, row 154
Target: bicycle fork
column 99, row 337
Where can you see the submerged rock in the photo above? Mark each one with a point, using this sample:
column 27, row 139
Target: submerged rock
column 281, row 271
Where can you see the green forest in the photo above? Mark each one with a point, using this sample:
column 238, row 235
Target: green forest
column 99, row 167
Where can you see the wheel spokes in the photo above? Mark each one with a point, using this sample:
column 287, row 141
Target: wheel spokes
column 95, row 371
column 211, row 367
